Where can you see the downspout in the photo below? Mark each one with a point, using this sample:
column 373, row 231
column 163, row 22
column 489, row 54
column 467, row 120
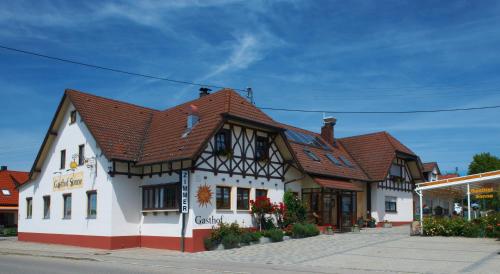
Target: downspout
column 421, row 194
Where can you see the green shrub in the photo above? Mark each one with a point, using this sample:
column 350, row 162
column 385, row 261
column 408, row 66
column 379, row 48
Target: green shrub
column 209, row 243
column 256, row 236
column 295, row 210
column 298, row 230
column 276, row 235
column 268, row 223
column 311, row 230
column 230, row 241
column 246, row 238
column 11, row 231
column 224, row 229
column 481, row 227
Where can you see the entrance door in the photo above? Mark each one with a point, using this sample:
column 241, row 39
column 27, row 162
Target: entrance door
column 346, row 208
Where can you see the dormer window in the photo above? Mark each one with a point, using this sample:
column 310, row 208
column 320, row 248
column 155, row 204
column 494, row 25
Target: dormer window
column 72, row 117
column 223, row 141
column 311, row 155
column 261, row 148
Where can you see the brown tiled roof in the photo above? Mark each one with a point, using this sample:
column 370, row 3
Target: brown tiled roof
column 447, row 176
column 428, row 167
column 338, row 184
column 164, row 137
column 129, row 132
column 324, row 166
column 9, row 180
column 374, row 152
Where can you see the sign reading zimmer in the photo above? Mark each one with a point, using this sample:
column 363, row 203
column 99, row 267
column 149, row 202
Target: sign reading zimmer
column 184, row 191
column 68, row 181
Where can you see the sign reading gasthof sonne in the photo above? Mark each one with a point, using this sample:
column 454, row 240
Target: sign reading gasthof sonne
column 184, row 191
column 68, row 181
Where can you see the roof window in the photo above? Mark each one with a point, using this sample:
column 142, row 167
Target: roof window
column 346, row 162
column 6, row 192
column 312, row 155
column 333, row 159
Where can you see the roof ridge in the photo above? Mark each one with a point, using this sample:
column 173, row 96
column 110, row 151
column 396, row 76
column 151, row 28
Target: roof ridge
column 364, row 134
column 194, row 100
column 108, row 99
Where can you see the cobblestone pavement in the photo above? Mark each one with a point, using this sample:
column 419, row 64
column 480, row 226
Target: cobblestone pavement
column 372, row 250
column 391, row 250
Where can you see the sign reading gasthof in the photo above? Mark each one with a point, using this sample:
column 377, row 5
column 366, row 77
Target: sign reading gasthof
column 68, row 181
column 184, row 191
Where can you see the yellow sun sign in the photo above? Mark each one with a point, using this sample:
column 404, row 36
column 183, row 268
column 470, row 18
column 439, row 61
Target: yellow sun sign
column 204, row 195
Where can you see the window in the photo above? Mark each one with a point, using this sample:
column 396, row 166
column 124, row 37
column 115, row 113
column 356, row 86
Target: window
column 223, row 197
column 160, row 197
column 261, row 148
column 333, row 159
column 63, row 159
column 91, row 204
column 46, row 207
column 390, row 204
column 346, row 162
column 312, row 155
column 260, row 193
column 81, row 154
column 6, row 192
column 223, row 140
column 72, row 117
column 243, row 198
column 396, row 170
column 29, row 207
column 67, row 206
column 304, row 138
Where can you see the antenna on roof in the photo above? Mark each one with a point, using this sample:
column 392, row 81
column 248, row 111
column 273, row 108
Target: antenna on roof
column 250, row 95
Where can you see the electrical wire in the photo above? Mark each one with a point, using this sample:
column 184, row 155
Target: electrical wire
column 113, row 69
column 380, row 112
column 241, row 90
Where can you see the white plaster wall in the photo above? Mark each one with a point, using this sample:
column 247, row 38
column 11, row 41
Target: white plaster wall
column 404, row 205
column 69, row 137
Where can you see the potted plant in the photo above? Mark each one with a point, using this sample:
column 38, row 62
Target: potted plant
column 355, row 228
column 371, row 222
column 329, row 230
column 387, row 224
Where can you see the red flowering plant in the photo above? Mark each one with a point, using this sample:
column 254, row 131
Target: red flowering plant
column 262, row 206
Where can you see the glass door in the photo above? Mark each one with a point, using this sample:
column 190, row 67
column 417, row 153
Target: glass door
column 347, row 209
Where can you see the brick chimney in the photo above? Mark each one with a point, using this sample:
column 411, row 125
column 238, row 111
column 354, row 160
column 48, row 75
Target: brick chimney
column 327, row 131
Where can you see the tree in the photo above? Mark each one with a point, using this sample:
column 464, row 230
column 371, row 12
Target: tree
column 484, row 162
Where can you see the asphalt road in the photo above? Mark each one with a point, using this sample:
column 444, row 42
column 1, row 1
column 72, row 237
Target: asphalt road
column 48, row 265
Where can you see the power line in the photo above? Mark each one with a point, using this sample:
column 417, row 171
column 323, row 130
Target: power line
column 112, row 69
column 380, row 112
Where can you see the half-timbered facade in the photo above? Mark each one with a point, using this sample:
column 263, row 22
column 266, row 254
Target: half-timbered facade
column 112, row 175
column 392, row 169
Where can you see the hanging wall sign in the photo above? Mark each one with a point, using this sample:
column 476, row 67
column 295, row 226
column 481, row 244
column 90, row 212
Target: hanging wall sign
column 184, row 191
column 68, row 181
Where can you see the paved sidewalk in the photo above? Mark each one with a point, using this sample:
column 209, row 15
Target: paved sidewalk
column 379, row 250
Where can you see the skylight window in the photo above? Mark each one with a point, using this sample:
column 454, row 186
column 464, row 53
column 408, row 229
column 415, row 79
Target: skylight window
column 6, row 192
column 333, row 159
column 346, row 162
column 304, row 138
column 311, row 155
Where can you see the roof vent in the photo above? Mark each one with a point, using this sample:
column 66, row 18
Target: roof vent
column 204, row 91
column 3, row 168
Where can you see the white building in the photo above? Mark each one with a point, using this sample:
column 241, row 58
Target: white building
column 115, row 175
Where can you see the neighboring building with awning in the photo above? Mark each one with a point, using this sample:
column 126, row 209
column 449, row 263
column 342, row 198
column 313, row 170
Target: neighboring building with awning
column 478, row 186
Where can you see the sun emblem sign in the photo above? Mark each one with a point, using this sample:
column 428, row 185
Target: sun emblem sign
column 204, row 195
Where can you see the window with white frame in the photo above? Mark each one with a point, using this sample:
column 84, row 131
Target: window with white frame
column 390, row 204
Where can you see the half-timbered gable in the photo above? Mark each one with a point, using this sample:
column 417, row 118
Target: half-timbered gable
column 249, row 151
column 399, row 177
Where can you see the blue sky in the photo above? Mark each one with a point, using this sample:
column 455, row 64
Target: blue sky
column 335, row 55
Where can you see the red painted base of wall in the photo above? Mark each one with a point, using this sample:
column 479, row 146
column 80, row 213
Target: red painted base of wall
column 194, row 244
column 381, row 224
